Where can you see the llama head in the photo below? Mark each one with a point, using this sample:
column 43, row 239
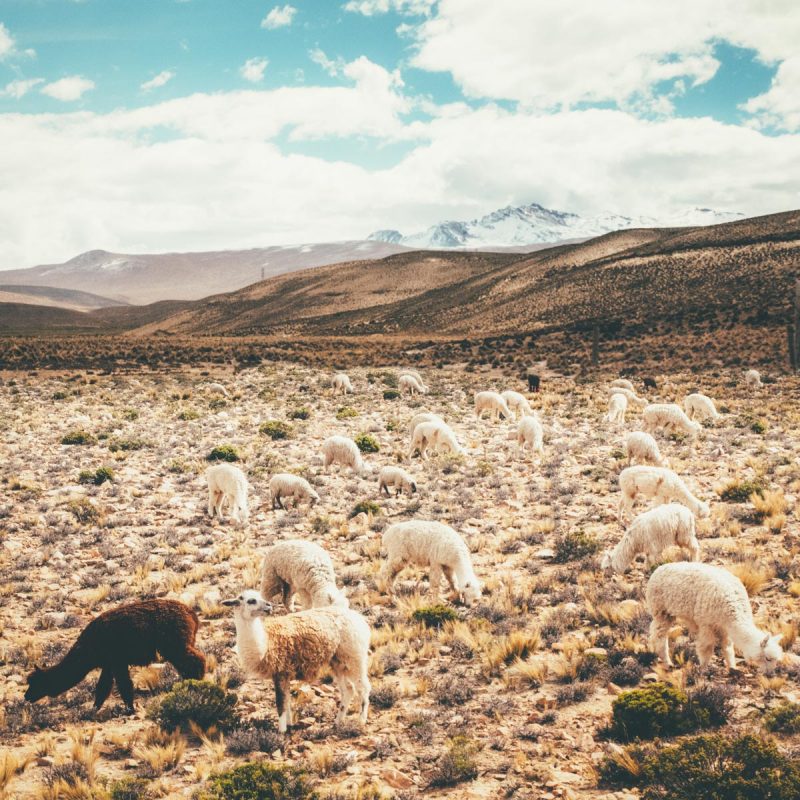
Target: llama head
column 770, row 653
column 703, row 511
column 37, row 685
column 249, row 605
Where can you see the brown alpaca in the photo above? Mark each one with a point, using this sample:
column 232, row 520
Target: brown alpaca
column 117, row 639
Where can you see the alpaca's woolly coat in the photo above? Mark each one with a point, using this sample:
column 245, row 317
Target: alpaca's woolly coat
column 392, row 477
column 493, row 403
column 227, row 483
column 623, row 383
column 341, row 383
column 753, row 378
column 530, row 434
column 423, row 416
column 630, row 395
column 670, row 416
column 344, row 451
column 699, row 406
column 660, row 483
column 300, row 567
column 129, row 635
column 436, row 435
column 643, row 448
column 285, row 485
column 517, row 403
column 617, row 406
column 410, row 384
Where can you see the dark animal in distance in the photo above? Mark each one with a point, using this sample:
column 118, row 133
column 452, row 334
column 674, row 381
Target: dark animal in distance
column 534, row 382
column 129, row 635
column 650, row 383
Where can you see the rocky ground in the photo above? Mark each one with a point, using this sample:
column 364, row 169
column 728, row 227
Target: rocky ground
column 518, row 686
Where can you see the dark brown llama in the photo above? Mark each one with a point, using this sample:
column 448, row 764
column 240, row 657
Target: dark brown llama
column 129, row 635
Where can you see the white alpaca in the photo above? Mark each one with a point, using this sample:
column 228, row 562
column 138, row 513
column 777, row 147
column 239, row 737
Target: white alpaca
column 436, row 435
column 217, row 388
column 343, row 451
column 631, row 395
column 529, row 434
column 714, row 605
column 284, row 485
column 752, row 378
column 659, row 483
column 623, row 383
column 651, row 533
column 410, row 385
column 617, row 406
column 433, row 545
column 423, row 416
column 298, row 646
column 341, row 384
column 492, row 403
column 643, row 448
column 396, row 478
column 698, row 406
column 300, row 567
column 227, row 484
column 517, row 403
column 669, row 416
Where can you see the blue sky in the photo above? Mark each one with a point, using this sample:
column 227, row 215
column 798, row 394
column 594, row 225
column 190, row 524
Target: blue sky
column 424, row 110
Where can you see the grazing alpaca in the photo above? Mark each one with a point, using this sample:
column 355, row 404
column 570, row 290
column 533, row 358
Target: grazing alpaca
column 125, row 636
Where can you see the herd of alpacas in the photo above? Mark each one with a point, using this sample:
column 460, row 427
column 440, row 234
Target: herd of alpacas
column 709, row 600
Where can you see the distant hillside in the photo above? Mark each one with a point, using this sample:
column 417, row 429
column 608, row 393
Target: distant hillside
column 736, row 269
column 53, row 296
column 186, row 276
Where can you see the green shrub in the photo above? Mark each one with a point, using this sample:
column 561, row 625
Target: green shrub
column 129, row 789
column 60, row 396
column 259, row 781
column 391, row 394
column 346, row 412
column 79, row 437
column 664, row 710
column 125, row 445
column 457, row 764
column 85, row 511
column 179, row 466
column 740, row 491
column 98, row 477
column 321, row 525
column 783, row 719
column 201, row 702
column 225, row 452
column 714, row 767
column 130, row 414
column 367, row 443
column 300, row 413
column 434, row 616
column 275, row 429
column 217, row 403
column 758, row 426
column 365, row 507
column 189, row 414
column 574, row 546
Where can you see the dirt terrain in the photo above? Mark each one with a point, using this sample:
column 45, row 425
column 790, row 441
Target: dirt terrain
column 521, row 681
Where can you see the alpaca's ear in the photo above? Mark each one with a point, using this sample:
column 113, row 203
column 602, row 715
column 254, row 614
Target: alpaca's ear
column 235, row 602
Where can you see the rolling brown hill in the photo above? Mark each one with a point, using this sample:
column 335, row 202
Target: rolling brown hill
column 731, row 271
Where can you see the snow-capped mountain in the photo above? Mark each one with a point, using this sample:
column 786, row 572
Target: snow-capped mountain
column 513, row 226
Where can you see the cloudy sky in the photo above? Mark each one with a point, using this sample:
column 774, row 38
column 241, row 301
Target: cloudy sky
column 162, row 125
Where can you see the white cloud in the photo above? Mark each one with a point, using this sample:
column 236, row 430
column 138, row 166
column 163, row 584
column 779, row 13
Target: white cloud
column 779, row 107
column 253, row 69
column 68, row 89
column 6, row 41
column 370, row 8
column 548, row 55
column 20, row 88
column 331, row 66
column 218, row 181
column 159, row 80
column 279, row 17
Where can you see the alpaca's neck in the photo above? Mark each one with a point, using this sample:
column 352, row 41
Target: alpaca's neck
column 70, row 671
column 747, row 638
column 251, row 642
column 623, row 554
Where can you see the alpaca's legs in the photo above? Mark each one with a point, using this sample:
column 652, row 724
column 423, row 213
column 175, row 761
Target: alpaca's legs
column 212, row 502
column 727, row 649
column 435, row 579
column 124, row 684
column 706, row 641
column 659, row 641
column 103, row 689
column 390, row 570
column 281, row 683
column 345, row 684
column 364, row 688
column 288, row 595
column 694, row 550
column 448, row 575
